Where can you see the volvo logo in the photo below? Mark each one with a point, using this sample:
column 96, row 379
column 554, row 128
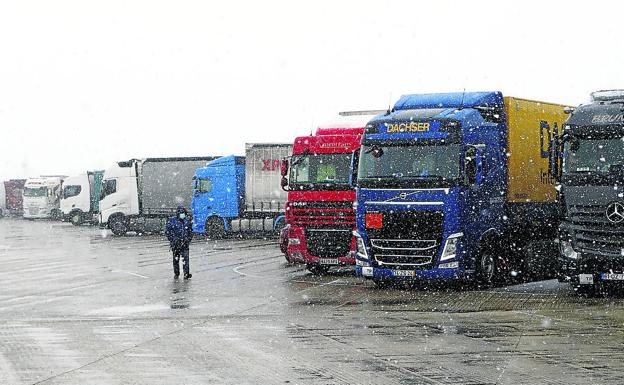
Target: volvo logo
column 615, row 212
column 403, row 195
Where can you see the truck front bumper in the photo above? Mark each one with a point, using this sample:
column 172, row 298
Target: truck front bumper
column 297, row 250
column 434, row 274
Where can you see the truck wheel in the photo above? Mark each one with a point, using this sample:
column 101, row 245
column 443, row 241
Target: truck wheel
column 214, row 228
column 487, row 268
column 76, row 218
column 118, row 225
column 317, row 269
column 55, row 215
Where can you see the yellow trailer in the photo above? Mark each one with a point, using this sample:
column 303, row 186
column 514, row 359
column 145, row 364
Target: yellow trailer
column 531, row 125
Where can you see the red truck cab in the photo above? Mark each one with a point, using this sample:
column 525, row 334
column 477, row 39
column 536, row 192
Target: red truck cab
column 319, row 211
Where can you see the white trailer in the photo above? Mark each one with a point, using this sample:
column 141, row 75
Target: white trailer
column 140, row 195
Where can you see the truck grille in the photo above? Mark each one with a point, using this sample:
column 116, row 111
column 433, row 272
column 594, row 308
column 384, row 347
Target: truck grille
column 408, row 239
column 329, row 242
column 594, row 232
column 321, row 213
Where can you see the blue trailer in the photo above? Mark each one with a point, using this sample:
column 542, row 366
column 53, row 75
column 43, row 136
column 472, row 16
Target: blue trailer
column 236, row 193
column 455, row 187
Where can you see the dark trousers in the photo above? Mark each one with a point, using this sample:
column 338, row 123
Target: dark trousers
column 184, row 254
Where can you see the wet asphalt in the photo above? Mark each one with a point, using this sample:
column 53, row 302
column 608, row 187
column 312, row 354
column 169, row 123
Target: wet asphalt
column 79, row 306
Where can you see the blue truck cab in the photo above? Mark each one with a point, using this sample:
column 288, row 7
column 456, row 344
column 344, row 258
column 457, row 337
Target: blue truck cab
column 218, row 194
column 450, row 185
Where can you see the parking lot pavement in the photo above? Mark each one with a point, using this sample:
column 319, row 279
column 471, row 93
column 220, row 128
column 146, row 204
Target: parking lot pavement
column 78, row 306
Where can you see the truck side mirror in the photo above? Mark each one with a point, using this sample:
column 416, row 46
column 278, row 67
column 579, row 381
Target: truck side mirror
column 470, row 165
column 355, row 161
column 284, row 167
column 553, row 157
column 284, row 172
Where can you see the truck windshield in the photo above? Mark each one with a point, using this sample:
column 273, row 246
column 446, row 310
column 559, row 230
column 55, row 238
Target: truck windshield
column 593, row 156
column 71, row 191
column 320, row 171
column 35, row 191
column 408, row 165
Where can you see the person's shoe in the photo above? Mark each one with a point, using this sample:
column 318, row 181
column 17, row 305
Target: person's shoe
column 176, row 276
column 188, row 276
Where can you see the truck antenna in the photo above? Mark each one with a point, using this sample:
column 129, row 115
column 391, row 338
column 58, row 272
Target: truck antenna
column 461, row 105
column 389, row 103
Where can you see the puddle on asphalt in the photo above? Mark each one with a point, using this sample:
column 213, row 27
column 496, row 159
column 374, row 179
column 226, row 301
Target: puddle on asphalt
column 128, row 310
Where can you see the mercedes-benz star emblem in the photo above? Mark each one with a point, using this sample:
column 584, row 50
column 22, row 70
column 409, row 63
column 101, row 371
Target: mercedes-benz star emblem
column 615, row 212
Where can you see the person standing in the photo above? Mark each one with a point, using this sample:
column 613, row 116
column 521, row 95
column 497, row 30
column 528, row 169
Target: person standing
column 179, row 232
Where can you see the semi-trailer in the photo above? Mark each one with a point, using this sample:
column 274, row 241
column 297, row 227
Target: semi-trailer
column 455, row 186
column 42, row 196
column 588, row 163
column 319, row 210
column 80, row 199
column 14, row 189
column 236, row 193
column 140, row 194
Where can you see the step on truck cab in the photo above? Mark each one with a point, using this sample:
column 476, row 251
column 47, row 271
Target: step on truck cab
column 141, row 194
column 588, row 163
column 41, row 197
column 455, row 186
column 80, row 199
column 234, row 194
column 319, row 211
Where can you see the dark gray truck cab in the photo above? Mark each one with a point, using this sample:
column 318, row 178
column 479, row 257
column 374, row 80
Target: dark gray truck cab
column 588, row 162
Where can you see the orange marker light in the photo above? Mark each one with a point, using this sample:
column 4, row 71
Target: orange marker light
column 373, row 220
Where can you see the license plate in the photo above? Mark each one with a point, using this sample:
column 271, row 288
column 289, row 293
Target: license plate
column 328, row 261
column 612, row 277
column 586, row 279
column 403, row 273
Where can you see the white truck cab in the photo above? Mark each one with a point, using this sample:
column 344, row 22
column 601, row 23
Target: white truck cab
column 42, row 196
column 119, row 199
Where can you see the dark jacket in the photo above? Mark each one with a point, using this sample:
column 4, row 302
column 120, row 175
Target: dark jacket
column 179, row 231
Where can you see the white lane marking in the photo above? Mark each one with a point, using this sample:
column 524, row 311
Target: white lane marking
column 131, row 273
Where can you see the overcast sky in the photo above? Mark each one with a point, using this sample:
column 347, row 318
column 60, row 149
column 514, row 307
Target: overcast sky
column 85, row 83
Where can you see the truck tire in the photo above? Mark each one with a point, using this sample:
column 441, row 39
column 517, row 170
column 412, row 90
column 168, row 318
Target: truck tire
column 55, row 215
column 214, row 228
column 76, row 218
column 118, row 225
column 488, row 270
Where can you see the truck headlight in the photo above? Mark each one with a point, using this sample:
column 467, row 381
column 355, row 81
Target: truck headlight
column 450, row 247
column 567, row 250
column 359, row 242
column 294, row 241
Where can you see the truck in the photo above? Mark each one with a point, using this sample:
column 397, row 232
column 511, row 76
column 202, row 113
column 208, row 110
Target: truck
column 13, row 194
column 141, row 194
column 454, row 187
column 42, row 196
column 587, row 160
column 319, row 211
column 236, row 193
column 80, row 199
